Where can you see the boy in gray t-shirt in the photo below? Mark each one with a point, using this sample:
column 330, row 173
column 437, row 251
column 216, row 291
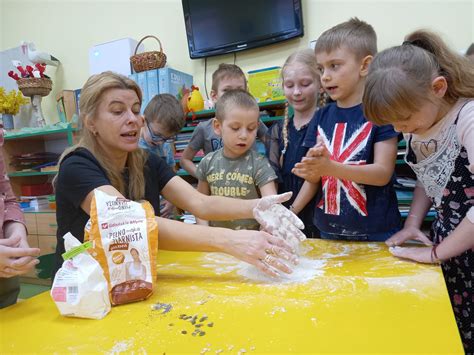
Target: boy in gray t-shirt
column 236, row 170
column 226, row 78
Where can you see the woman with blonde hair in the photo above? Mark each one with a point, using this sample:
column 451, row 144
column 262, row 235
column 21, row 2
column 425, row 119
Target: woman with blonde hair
column 107, row 158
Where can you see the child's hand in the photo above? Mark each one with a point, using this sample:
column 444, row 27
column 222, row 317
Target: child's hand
column 278, row 220
column 315, row 164
column 408, row 233
column 166, row 209
column 15, row 259
column 421, row 255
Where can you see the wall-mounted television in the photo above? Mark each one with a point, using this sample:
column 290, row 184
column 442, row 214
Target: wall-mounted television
column 215, row 27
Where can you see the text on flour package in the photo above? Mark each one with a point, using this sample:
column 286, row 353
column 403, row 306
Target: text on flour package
column 125, row 243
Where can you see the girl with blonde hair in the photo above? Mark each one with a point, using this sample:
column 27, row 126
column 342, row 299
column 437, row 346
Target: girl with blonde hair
column 301, row 85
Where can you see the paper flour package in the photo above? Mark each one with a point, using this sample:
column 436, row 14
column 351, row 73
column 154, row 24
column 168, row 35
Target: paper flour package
column 79, row 287
column 125, row 238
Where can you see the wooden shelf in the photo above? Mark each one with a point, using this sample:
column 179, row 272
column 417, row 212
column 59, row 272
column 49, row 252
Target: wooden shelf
column 201, row 114
column 41, row 224
column 50, row 132
column 271, row 118
column 195, row 159
column 52, row 138
column 31, row 173
column 182, row 173
column 262, row 105
column 271, row 104
column 264, row 119
column 40, row 211
column 429, row 217
column 404, row 196
column 188, row 129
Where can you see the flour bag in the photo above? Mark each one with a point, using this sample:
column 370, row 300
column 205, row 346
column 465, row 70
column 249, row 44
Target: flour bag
column 79, row 287
column 125, row 243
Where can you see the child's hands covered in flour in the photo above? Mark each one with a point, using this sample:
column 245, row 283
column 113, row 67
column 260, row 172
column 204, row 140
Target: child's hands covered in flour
column 279, row 221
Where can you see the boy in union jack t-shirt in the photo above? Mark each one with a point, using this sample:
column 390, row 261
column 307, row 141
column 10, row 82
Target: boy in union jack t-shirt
column 351, row 159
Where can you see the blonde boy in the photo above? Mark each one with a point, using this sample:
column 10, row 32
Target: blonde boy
column 353, row 159
column 236, row 170
column 226, row 78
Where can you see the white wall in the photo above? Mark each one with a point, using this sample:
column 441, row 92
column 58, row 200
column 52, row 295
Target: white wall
column 68, row 28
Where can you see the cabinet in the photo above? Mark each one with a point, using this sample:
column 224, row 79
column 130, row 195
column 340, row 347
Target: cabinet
column 41, row 223
column 41, row 234
column 271, row 111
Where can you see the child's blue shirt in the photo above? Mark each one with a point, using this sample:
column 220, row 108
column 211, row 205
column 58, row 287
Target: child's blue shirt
column 164, row 150
column 287, row 181
column 346, row 209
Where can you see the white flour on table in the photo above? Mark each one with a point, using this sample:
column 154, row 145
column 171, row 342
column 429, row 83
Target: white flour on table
column 306, row 270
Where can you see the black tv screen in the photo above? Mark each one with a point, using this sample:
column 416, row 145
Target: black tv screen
column 216, row 27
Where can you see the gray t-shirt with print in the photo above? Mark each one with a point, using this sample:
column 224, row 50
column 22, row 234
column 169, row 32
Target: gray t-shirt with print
column 237, row 178
column 206, row 139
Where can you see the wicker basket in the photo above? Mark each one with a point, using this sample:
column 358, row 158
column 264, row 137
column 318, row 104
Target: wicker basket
column 35, row 86
column 148, row 60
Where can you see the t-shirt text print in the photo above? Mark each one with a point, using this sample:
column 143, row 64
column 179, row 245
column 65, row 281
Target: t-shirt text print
column 245, row 183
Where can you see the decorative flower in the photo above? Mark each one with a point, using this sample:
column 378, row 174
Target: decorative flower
column 10, row 103
column 457, row 299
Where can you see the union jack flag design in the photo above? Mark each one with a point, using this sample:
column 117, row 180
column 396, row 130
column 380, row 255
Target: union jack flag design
column 344, row 152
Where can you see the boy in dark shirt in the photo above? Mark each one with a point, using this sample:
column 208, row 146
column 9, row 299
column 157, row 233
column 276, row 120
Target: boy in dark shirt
column 350, row 158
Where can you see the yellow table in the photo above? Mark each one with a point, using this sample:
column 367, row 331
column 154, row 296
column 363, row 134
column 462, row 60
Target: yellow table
column 358, row 299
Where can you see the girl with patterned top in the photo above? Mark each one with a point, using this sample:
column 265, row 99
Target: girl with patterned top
column 426, row 91
column 301, row 85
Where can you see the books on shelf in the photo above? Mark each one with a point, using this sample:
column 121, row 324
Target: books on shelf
column 199, row 155
column 405, row 198
column 405, row 182
column 184, row 136
column 34, row 203
column 404, row 195
column 34, row 161
column 160, row 81
column 52, row 167
column 195, row 122
column 429, row 216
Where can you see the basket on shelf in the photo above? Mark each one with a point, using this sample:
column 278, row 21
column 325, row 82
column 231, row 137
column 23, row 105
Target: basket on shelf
column 148, row 60
column 35, row 86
